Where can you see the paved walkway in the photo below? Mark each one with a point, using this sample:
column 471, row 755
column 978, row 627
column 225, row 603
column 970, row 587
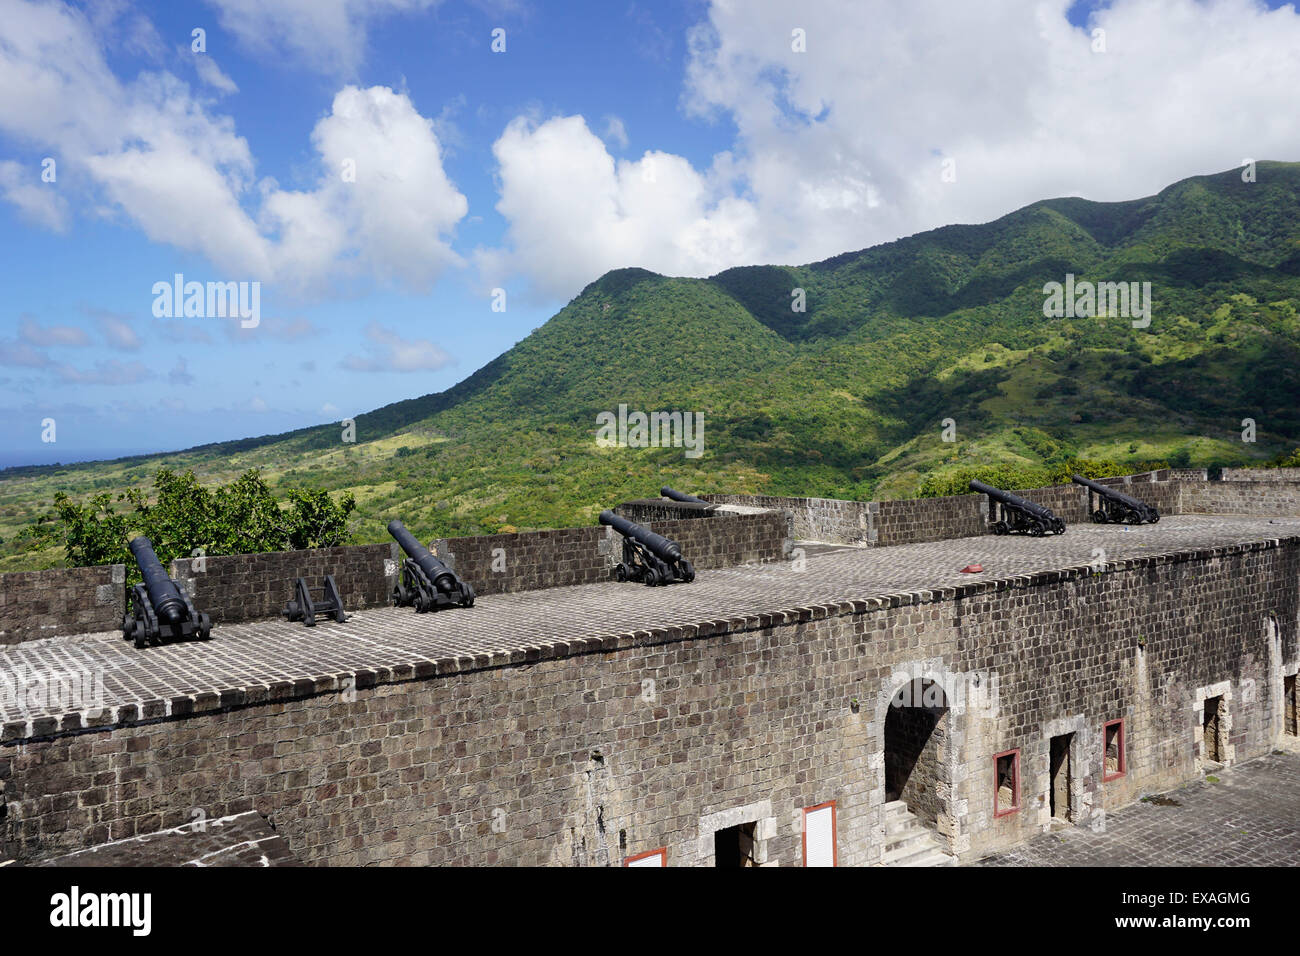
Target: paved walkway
column 242, row 840
column 1250, row 817
column 504, row 627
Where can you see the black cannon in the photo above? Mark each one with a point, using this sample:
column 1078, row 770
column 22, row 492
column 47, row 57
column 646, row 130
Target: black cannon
column 1115, row 506
column 647, row 556
column 681, row 496
column 426, row 582
column 1016, row 514
column 159, row 609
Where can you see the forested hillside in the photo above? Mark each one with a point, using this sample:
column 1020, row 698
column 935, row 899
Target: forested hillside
column 846, row 398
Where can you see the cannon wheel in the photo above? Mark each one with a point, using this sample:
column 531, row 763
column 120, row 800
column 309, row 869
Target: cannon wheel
column 1155, row 519
column 1099, row 517
column 651, row 577
column 620, row 571
column 1000, row 527
column 688, row 571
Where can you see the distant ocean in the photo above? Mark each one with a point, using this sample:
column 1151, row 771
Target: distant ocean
column 67, row 456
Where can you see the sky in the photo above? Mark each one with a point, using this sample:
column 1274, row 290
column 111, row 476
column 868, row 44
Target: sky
column 409, row 187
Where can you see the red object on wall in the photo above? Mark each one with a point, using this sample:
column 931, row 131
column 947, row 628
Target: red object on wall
column 662, row 853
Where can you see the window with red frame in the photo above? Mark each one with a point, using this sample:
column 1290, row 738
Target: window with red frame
column 819, row 835
column 1113, row 750
column 657, row 857
column 1006, row 780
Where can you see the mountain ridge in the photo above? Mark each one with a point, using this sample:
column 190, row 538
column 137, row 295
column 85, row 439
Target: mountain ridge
column 845, row 398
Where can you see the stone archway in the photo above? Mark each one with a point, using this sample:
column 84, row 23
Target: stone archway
column 918, row 751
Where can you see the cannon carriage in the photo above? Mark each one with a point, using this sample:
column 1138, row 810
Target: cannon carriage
column 1019, row 515
column 159, row 610
column 647, row 557
column 1115, row 507
column 426, row 583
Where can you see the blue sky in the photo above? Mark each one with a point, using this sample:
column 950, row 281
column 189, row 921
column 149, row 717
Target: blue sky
column 683, row 136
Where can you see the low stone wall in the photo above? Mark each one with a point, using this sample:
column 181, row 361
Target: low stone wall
column 663, row 509
column 247, row 587
column 1279, row 499
column 36, row 604
column 1260, row 474
column 913, row 520
column 828, row 520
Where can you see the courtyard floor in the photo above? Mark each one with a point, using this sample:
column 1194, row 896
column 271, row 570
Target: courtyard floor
column 1249, row 817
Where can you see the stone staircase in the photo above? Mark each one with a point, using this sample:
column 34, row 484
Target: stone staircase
column 909, row 842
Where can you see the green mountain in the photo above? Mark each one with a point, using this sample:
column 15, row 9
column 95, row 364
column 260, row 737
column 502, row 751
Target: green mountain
column 846, row 398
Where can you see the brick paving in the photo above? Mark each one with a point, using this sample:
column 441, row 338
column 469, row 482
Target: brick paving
column 1250, row 817
column 245, row 839
column 510, row 628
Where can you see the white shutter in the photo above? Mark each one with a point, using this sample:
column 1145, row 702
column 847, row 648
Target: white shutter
column 652, row 859
column 819, row 836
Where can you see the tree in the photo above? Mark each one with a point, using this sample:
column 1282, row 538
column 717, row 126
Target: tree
column 242, row 517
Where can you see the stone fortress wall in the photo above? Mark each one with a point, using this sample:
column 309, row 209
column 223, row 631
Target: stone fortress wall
column 589, row 752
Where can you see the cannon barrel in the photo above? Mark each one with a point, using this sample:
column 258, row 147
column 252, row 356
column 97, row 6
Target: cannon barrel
column 662, row 547
column 441, row 575
column 166, row 599
column 1107, row 492
column 997, row 494
column 681, row 496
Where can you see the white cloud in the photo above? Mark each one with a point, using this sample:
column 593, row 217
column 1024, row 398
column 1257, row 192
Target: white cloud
column 108, row 372
column 33, row 333
column 841, row 147
column 116, row 329
column 396, row 353
column 38, row 201
column 325, row 35
column 383, row 203
column 615, row 132
column 211, row 74
column 185, row 177
column 574, row 211
column 22, row 355
column 837, row 145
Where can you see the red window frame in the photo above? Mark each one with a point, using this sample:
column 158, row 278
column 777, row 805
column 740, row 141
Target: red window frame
column 1015, row 771
column 835, row 832
column 662, row 853
column 1123, row 760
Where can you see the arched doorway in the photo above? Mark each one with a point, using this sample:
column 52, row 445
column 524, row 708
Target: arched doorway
column 917, row 750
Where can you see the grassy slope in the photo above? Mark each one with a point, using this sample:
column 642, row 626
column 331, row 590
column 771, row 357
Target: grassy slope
column 843, row 399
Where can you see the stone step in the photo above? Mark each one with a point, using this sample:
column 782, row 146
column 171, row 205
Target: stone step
column 896, row 808
column 901, row 825
column 934, row 857
column 906, row 855
column 908, row 840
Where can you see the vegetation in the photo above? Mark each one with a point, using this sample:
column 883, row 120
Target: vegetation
column 847, row 399
column 185, row 518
